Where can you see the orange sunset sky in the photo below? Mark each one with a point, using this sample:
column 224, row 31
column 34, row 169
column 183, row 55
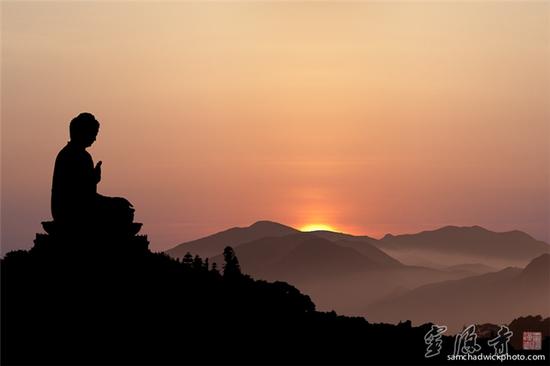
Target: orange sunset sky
column 370, row 117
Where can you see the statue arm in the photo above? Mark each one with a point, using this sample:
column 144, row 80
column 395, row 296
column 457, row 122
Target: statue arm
column 97, row 172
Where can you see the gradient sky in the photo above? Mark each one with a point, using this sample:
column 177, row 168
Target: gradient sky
column 371, row 117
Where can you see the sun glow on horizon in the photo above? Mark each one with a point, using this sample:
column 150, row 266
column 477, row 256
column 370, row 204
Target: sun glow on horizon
column 317, row 227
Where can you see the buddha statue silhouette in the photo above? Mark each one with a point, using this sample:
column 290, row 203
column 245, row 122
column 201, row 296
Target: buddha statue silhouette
column 75, row 203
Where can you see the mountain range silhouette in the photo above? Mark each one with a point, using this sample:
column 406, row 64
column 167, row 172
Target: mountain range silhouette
column 363, row 276
column 504, row 248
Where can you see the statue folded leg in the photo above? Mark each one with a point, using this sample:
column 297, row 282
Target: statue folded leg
column 114, row 211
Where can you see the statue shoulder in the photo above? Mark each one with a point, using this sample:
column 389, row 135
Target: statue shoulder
column 71, row 155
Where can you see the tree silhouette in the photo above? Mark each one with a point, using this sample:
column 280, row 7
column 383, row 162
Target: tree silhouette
column 187, row 259
column 215, row 268
column 197, row 263
column 231, row 268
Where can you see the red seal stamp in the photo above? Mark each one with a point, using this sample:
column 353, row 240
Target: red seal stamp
column 532, row 340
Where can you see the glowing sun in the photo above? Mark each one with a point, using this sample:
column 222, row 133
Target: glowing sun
column 317, row 227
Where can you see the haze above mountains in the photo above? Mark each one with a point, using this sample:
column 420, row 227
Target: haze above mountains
column 397, row 277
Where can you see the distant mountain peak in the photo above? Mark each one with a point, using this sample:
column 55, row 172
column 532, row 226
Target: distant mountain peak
column 453, row 228
column 214, row 244
column 539, row 266
column 269, row 224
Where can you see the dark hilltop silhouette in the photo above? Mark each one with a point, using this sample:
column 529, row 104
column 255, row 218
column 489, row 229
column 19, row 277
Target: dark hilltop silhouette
column 90, row 292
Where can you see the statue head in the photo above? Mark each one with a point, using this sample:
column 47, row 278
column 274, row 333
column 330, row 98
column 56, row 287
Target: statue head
column 83, row 129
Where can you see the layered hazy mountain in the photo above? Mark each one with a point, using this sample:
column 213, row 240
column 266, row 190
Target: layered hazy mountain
column 302, row 256
column 452, row 245
column 341, row 275
column 360, row 275
column 493, row 297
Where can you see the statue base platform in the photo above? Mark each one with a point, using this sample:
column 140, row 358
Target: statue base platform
column 90, row 238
